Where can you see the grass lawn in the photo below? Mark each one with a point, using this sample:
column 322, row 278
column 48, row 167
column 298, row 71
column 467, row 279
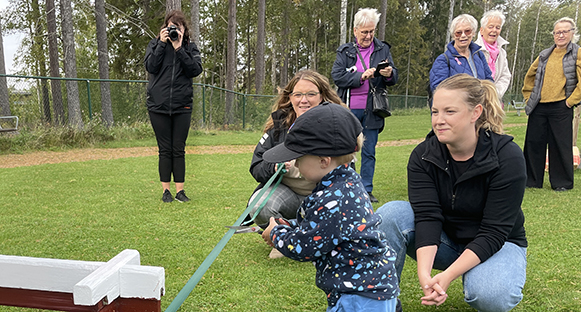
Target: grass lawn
column 93, row 210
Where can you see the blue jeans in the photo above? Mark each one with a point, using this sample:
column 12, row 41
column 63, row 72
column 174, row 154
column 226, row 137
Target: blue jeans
column 356, row 303
column 494, row 285
column 368, row 152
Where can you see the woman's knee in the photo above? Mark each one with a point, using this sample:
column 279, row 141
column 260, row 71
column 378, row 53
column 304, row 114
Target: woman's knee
column 497, row 283
column 394, row 208
column 493, row 299
column 487, row 293
column 393, row 211
column 396, row 216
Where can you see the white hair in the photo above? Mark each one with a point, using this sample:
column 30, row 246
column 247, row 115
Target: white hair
column 464, row 18
column 490, row 15
column 364, row 16
column 573, row 27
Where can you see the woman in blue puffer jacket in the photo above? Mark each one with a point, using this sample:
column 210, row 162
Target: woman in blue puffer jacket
column 461, row 55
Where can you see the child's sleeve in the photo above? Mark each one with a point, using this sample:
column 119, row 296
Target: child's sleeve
column 318, row 233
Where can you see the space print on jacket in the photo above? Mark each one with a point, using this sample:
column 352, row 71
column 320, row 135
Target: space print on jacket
column 337, row 230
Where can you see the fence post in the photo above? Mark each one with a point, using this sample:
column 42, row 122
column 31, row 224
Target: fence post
column 243, row 111
column 204, row 106
column 89, row 99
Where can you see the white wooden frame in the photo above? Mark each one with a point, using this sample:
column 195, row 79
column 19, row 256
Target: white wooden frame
column 90, row 283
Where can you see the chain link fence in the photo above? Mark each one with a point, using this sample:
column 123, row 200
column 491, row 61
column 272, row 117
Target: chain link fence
column 32, row 99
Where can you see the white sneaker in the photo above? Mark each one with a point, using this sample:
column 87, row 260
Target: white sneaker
column 275, row 254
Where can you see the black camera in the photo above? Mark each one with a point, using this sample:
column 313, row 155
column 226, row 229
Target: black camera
column 172, row 32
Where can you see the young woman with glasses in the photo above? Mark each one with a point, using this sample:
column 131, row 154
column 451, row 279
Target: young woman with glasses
column 551, row 88
column 461, row 55
column 304, row 91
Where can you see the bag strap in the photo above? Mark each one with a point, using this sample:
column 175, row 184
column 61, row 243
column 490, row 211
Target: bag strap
column 371, row 86
column 360, row 56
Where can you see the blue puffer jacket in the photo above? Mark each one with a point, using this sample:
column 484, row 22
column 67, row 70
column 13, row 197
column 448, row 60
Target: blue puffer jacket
column 458, row 64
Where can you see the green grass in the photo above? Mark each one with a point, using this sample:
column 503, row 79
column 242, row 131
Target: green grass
column 93, row 210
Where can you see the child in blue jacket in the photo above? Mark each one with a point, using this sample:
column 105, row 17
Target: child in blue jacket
column 335, row 226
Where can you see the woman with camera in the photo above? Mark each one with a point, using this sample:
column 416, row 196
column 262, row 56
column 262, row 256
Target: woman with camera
column 172, row 61
column 359, row 67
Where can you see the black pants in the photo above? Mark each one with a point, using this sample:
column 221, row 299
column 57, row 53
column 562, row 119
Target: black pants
column 550, row 124
column 171, row 133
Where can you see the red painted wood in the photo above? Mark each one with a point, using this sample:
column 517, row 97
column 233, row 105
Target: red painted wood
column 59, row 301
column 133, row 305
column 39, row 299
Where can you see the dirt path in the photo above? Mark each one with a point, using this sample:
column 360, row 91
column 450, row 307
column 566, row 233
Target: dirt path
column 43, row 157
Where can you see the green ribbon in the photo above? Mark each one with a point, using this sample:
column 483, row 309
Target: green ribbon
column 195, row 279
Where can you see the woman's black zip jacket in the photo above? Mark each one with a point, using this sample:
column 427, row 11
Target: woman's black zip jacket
column 170, row 90
column 482, row 210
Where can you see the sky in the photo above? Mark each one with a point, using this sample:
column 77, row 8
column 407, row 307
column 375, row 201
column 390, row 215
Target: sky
column 11, row 44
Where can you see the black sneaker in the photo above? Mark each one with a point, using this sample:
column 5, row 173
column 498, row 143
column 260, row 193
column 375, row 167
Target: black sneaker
column 398, row 306
column 167, row 198
column 372, row 198
column 181, row 197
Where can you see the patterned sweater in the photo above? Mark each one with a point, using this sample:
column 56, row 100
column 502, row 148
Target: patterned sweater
column 337, row 230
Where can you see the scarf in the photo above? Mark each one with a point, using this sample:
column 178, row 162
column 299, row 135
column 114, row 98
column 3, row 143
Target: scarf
column 494, row 51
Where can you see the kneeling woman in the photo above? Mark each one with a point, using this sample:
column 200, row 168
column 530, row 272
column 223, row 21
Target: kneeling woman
column 466, row 183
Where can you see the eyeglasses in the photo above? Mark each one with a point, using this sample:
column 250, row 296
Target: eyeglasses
column 467, row 32
column 367, row 32
column 299, row 95
column 563, row 32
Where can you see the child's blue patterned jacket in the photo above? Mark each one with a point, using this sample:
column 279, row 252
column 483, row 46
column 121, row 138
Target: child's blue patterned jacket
column 337, row 230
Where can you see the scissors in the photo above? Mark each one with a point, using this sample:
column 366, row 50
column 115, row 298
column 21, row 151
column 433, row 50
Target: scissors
column 254, row 229
column 245, row 229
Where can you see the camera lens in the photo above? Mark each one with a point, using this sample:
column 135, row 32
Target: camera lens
column 173, row 33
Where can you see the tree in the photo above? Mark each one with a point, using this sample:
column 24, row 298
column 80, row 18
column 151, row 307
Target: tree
column 4, row 96
column 230, row 63
column 260, row 46
column 450, row 18
column 103, row 56
column 515, row 52
column 381, row 27
column 343, row 22
column 171, row 5
column 536, row 32
column 38, row 50
column 195, row 17
column 54, row 67
column 70, row 61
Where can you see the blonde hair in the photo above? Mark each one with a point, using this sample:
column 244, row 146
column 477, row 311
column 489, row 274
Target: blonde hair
column 476, row 91
column 283, row 101
column 345, row 159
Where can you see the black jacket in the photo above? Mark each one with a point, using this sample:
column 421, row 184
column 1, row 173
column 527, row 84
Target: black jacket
column 260, row 169
column 347, row 58
column 169, row 90
column 483, row 208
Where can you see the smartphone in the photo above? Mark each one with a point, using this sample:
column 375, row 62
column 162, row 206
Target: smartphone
column 379, row 67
